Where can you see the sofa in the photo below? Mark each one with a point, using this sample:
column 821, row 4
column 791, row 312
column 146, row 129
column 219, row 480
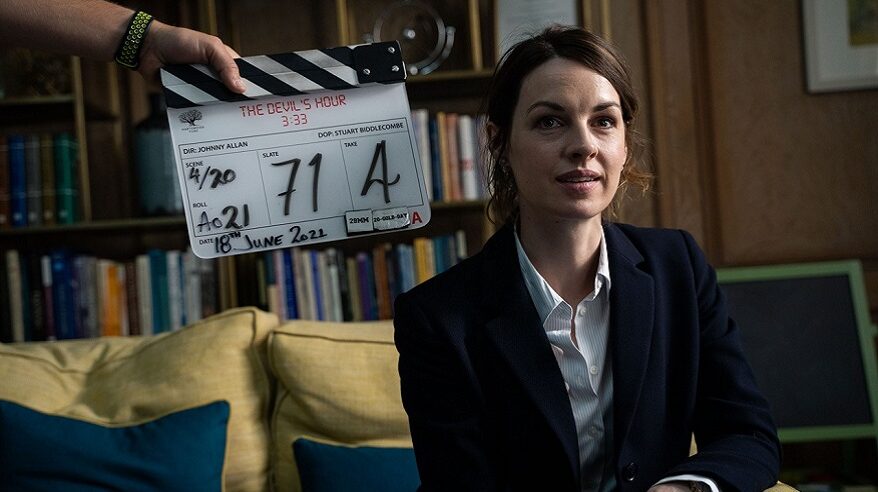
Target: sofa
column 222, row 404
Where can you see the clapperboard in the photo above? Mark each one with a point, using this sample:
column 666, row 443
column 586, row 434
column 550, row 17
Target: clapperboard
column 320, row 148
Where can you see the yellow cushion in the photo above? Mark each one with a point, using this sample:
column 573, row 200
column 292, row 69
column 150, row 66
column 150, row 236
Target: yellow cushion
column 337, row 383
column 131, row 380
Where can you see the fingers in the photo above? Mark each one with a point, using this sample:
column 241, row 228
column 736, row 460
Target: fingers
column 222, row 58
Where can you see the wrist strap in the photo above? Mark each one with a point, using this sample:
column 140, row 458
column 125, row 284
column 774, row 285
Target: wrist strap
column 128, row 53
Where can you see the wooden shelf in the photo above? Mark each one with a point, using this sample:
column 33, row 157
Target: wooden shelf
column 37, row 100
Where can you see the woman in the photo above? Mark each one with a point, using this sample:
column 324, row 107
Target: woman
column 572, row 353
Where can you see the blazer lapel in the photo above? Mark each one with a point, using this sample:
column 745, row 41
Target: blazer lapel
column 517, row 332
column 631, row 325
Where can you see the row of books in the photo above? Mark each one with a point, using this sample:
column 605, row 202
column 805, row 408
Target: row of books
column 38, row 181
column 332, row 286
column 453, row 161
column 62, row 295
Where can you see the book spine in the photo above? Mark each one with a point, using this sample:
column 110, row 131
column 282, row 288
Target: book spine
column 175, row 296
column 444, row 164
column 420, row 260
column 33, row 180
column 62, row 300
column 290, row 285
column 365, row 278
column 467, row 153
column 280, row 278
column 192, row 286
column 316, row 284
column 209, row 300
column 16, row 302
column 344, row 287
column 451, row 150
column 460, row 244
column 17, row 181
column 421, row 125
column 332, row 272
column 36, row 299
column 300, row 280
column 132, row 314
column 429, row 258
column 47, row 174
column 158, row 270
column 65, row 172
column 382, row 288
column 144, row 295
column 5, row 218
column 122, row 299
column 354, row 288
column 5, row 310
column 435, row 159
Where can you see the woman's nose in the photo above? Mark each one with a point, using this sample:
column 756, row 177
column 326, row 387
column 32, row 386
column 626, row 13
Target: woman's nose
column 582, row 144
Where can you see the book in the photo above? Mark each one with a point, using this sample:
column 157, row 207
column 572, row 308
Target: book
column 382, row 285
column 301, row 279
column 333, row 272
column 85, row 271
column 460, row 245
column 5, row 219
column 17, row 181
column 435, row 160
column 63, row 300
column 108, row 294
column 421, row 127
column 5, row 311
column 444, row 164
column 367, row 286
column 356, row 304
column 36, row 328
column 316, row 284
column 122, row 298
column 158, row 272
column 144, row 294
column 175, row 294
column 280, row 277
column 33, row 180
column 47, row 175
column 291, row 299
column 420, row 259
column 467, row 156
column 261, row 282
column 209, row 297
column 132, row 314
column 16, row 300
column 452, row 153
column 65, row 178
column 191, row 286
column 344, row 287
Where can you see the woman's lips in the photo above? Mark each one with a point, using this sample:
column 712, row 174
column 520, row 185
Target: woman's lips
column 579, row 180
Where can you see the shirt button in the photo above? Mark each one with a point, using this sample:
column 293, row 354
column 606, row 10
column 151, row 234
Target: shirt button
column 593, row 370
column 594, row 431
column 581, row 311
column 567, row 387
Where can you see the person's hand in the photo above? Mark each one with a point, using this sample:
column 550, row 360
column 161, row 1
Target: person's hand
column 670, row 487
column 165, row 44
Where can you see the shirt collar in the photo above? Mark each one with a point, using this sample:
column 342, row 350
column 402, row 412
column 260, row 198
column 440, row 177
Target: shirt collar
column 544, row 297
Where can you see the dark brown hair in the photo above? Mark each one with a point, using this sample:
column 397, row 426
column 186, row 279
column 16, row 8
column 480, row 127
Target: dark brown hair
column 572, row 43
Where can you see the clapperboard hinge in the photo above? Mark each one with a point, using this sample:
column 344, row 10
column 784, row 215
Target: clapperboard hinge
column 287, row 74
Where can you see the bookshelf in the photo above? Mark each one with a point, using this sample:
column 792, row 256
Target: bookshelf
column 105, row 104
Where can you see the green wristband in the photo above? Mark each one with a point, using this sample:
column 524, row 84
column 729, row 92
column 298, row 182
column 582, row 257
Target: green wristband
column 128, row 53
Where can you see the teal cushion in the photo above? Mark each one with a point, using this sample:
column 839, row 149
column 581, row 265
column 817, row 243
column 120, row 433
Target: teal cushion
column 329, row 468
column 182, row 451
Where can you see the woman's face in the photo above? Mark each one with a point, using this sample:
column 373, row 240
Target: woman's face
column 567, row 143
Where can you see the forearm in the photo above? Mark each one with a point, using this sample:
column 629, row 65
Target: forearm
column 88, row 28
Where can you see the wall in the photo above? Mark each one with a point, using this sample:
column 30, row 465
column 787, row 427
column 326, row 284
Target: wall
column 757, row 168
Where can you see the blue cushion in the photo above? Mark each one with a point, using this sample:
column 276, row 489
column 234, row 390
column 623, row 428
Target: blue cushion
column 182, row 451
column 329, row 468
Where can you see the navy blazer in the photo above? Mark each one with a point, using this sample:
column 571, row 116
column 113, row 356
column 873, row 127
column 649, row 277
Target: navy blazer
column 486, row 400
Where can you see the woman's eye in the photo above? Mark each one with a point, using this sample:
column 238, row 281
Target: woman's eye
column 547, row 122
column 605, row 122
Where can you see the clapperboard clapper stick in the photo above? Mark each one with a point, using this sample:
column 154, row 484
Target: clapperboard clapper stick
column 320, row 148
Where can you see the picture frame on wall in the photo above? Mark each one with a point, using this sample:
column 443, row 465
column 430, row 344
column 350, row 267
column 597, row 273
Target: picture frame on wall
column 841, row 44
column 515, row 19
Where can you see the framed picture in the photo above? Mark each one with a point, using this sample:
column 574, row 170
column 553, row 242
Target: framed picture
column 841, row 44
column 515, row 19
